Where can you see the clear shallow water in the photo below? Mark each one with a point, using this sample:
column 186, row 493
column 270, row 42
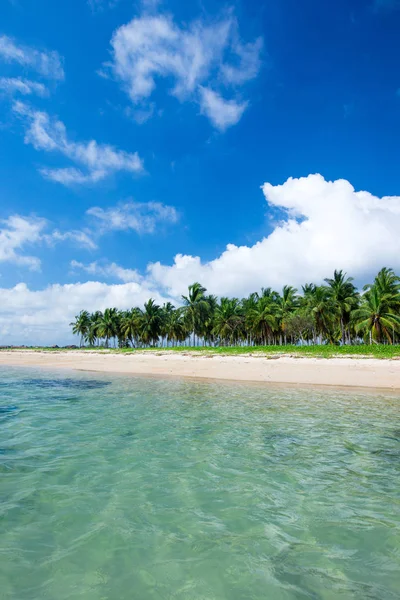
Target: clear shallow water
column 120, row 488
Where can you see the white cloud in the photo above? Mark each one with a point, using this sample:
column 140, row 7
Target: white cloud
column 327, row 226
column 111, row 270
column 48, row 64
column 26, row 87
column 98, row 160
column 15, row 234
column 139, row 216
column 200, row 56
column 43, row 316
column 222, row 113
column 83, row 239
column 72, row 176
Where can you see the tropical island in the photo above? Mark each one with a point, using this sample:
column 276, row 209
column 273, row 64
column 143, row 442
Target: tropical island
column 354, row 329
column 335, row 313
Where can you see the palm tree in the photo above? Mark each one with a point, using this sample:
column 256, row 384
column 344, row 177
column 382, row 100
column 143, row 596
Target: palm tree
column 107, row 325
column 287, row 304
column 93, row 333
column 387, row 284
column 150, row 322
column 330, row 313
column 166, row 312
column 262, row 319
column 317, row 303
column 375, row 316
column 174, row 327
column 344, row 297
column 91, row 336
column 130, row 325
column 196, row 309
column 81, row 325
column 248, row 305
column 228, row 320
column 208, row 324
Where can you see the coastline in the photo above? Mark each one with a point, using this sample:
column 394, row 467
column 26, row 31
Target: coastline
column 333, row 372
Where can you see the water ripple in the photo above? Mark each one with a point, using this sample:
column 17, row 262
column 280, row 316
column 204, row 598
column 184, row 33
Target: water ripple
column 114, row 488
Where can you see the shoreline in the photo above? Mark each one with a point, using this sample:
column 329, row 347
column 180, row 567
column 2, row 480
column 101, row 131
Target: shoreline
column 333, row 372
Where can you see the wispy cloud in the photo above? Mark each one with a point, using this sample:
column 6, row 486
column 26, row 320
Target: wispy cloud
column 149, row 5
column 108, row 270
column 202, row 56
column 19, row 233
column 46, row 63
column 83, row 239
column 25, row 87
column 98, row 160
column 223, row 113
column 100, row 5
column 16, row 233
column 138, row 216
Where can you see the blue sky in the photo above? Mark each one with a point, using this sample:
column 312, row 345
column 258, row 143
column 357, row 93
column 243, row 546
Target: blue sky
column 136, row 139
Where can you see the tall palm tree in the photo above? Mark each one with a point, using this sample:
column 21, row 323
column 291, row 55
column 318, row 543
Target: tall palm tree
column 208, row 323
column 262, row 319
column 196, row 309
column 248, row 305
column 228, row 320
column 81, row 325
column 318, row 304
column 287, row 304
column 166, row 311
column 130, row 325
column 388, row 284
column 150, row 322
column 329, row 313
column 174, row 327
column 93, row 334
column 376, row 317
column 108, row 324
column 344, row 297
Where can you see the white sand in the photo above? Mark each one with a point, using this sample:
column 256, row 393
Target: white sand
column 351, row 372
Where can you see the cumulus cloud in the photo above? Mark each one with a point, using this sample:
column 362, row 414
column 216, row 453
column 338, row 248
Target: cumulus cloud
column 111, row 270
column 204, row 60
column 25, row 87
column 98, row 160
column 326, row 226
column 48, row 64
column 42, row 317
column 142, row 217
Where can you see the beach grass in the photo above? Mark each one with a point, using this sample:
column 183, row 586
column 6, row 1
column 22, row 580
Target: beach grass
column 317, row 351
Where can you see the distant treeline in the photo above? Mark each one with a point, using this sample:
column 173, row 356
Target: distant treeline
column 334, row 313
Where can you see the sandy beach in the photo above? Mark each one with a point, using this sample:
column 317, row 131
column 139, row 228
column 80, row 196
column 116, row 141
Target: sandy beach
column 349, row 372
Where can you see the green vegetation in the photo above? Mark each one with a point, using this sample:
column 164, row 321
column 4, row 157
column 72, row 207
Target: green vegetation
column 318, row 351
column 324, row 320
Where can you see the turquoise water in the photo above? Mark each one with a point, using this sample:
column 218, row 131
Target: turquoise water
column 120, row 488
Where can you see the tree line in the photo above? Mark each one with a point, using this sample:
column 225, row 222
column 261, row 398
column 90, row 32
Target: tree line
column 335, row 313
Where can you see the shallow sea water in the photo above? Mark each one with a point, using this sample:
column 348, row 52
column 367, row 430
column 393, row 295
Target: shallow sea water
column 115, row 488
